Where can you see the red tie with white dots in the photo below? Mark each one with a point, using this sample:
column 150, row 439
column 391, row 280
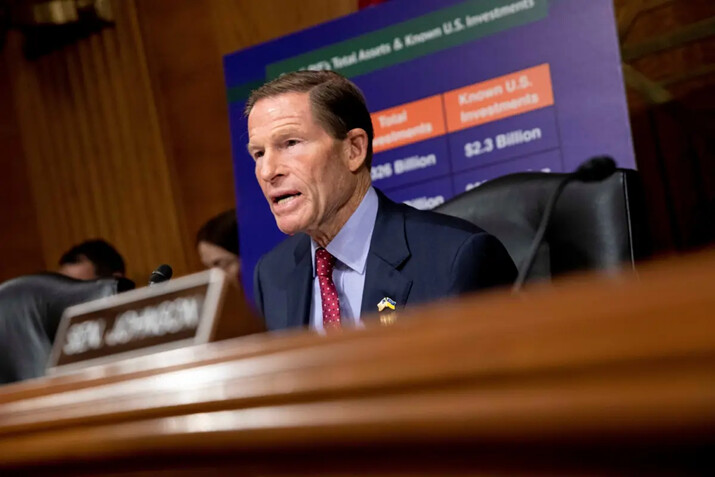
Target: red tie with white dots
column 328, row 293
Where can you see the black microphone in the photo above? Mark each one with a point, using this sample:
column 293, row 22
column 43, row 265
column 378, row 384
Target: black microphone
column 595, row 169
column 161, row 274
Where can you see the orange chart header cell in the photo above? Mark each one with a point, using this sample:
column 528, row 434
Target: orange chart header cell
column 408, row 123
column 499, row 98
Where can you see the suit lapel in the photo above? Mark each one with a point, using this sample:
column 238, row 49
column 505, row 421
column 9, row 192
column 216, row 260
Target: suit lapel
column 388, row 251
column 299, row 288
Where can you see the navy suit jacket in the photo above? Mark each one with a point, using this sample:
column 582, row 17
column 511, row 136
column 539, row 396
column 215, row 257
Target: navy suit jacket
column 415, row 256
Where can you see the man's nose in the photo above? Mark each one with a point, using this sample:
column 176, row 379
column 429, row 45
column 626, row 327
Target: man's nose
column 268, row 166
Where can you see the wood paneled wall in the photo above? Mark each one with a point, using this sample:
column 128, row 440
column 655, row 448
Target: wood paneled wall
column 674, row 140
column 93, row 149
column 20, row 247
column 124, row 135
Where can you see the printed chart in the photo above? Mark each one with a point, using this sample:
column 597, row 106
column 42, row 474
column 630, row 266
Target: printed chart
column 460, row 92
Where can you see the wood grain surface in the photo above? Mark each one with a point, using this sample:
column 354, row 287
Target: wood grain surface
column 593, row 375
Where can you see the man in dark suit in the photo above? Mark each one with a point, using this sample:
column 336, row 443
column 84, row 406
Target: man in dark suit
column 352, row 251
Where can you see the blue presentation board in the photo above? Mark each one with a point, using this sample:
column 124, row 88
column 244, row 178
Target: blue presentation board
column 460, row 92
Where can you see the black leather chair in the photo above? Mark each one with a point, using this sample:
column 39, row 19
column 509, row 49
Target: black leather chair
column 30, row 310
column 595, row 226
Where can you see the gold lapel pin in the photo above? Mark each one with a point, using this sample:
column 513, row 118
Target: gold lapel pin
column 386, row 309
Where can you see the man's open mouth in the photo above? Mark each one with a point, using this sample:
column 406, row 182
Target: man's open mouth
column 285, row 198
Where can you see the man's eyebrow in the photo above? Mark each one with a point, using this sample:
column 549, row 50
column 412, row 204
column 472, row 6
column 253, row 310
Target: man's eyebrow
column 279, row 134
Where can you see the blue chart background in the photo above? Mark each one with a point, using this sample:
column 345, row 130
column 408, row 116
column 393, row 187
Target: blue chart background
column 589, row 117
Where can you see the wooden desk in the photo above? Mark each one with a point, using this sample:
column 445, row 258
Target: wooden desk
column 590, row 376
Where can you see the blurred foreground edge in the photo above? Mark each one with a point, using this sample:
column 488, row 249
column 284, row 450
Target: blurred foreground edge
column 594, row 375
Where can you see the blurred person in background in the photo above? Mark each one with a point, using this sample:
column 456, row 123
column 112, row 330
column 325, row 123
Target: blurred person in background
column 92, row 259
column 217, row 245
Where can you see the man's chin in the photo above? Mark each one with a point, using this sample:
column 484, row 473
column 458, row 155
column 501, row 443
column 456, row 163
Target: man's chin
column 288, row 228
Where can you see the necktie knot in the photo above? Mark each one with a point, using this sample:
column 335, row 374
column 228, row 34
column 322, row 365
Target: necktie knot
column 324, row 263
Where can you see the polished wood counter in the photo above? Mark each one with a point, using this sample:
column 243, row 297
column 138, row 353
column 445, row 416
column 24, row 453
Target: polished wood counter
column 592, row 376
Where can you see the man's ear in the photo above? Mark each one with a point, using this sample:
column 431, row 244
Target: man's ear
column 357, row 143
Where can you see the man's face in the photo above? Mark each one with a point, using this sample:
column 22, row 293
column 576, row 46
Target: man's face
column 83, row 269
column 303, row 171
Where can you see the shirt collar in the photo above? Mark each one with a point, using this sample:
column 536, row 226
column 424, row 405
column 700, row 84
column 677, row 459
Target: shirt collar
column 352, row 243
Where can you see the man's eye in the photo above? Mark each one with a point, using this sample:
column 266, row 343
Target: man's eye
column 291, row 142
column 257, row 155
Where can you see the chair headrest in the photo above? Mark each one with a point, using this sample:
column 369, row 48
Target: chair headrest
column 30, row 310
column 594, row 226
